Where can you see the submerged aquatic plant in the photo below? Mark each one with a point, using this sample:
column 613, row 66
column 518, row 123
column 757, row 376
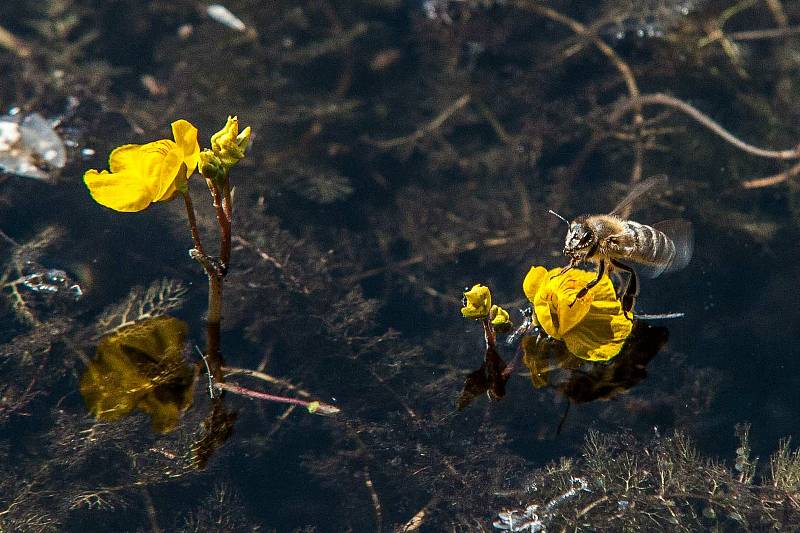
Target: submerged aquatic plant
column 505, row 122
column 593, row 327
column 563, row 332
column 621, row 483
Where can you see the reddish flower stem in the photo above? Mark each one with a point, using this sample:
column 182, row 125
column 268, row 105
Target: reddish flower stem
column 198, row 245
column 224, row 224
column 227, row 211
column 319, row 407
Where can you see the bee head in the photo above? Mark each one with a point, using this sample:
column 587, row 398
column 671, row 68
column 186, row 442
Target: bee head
column 580, row 239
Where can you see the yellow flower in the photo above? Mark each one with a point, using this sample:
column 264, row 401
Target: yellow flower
column 145, row 173
column 228, row 144
column 500, row 319
column 477, row 302
column 593, row 327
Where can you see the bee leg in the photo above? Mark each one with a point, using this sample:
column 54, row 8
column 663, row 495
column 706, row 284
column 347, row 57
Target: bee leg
column 570, row 266
column 619, row 281
column 601, row 268
column 630, row 290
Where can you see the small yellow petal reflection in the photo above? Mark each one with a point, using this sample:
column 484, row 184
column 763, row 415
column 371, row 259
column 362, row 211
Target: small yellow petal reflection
column 141, row 367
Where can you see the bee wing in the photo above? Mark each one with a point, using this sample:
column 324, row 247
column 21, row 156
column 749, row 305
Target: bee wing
column 681, row 234
column 639, row 189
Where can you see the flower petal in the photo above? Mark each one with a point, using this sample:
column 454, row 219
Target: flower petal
column 592, row 327
column 159, row 164
column 534, row 279
column 571, row 310
column 185, row 135
column 152, row 172
column 121, row 191
column 555, row 301
column 546, row 317
column 601, row 334
column 124, row 157
column 603, row 331
column 172, row 174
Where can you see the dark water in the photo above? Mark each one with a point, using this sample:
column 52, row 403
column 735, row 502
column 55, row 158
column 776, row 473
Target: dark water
column 401, row 151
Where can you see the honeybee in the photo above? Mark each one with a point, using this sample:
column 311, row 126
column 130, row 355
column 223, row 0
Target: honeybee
column 608, row 240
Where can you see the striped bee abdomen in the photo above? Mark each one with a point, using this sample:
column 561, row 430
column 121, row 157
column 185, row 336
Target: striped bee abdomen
column 652, row 247
column 663, row 247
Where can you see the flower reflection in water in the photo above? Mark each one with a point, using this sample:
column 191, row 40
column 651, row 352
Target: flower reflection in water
column 141, row 367
column 552, row 365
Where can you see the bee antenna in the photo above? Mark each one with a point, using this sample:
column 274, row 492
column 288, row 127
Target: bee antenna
column 559, row 216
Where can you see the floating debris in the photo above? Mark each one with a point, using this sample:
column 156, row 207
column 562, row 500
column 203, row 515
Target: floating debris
column 222, row 15
column 30, row 147
column 52, row 282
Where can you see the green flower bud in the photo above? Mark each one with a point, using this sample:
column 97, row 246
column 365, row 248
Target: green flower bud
column 211, row 166
column 228, row 144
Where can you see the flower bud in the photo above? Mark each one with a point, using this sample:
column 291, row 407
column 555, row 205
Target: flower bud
column 210, row 165
column 500, row 319
column 477, row 302
column 228, row 144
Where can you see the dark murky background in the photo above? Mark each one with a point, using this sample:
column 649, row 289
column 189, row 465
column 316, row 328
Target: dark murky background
column 402, row 150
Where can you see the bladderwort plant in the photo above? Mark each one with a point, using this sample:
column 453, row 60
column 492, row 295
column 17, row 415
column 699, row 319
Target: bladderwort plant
column 159, row 171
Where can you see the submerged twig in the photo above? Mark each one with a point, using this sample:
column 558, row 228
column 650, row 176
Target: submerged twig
column 271, row 260
column 624, row 69
column 233, row 371
column 376, row 502
column 772, row 180
column 770, row 33
column 14, row 44
column 778, row 13
column 423, row 130
column 703, row 119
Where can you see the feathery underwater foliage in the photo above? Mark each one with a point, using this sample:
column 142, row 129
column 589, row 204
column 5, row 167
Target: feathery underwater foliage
column 400, row 151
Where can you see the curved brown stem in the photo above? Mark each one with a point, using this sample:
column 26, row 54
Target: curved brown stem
column 624, row 69
column 704, row 120
column 583, row 31
column 772, row 180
